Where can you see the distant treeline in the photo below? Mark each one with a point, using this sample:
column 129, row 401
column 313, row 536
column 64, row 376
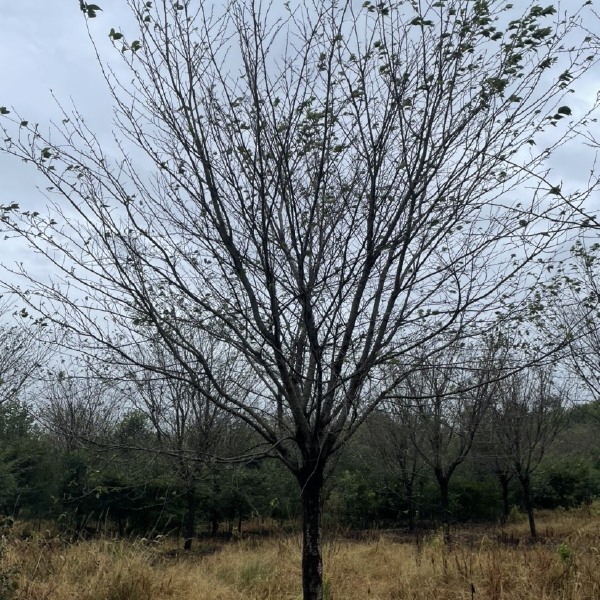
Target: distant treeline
column 124, row 486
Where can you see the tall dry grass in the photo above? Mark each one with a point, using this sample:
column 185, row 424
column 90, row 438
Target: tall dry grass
column 481, row 563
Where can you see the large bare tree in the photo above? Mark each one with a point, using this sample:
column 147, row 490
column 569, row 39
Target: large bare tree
column 322, row 187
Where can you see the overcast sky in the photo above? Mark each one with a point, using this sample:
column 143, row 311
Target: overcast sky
column 45, row 50
column 44, row 46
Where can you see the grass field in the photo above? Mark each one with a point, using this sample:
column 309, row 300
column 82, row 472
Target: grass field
column 482, row 563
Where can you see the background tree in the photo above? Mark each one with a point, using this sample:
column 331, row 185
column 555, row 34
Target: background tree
column 79, row 412
column 499, row 463
column 448, row 396
column 573, row 307
column 333, row 189
column 191, row 431
column 22, row 356
column 78, row 408
column 529, row 413
column 27, row 469
column 396, row 436
column 569, row 474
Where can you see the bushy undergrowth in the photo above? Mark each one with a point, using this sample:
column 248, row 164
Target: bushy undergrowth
column 481, row 563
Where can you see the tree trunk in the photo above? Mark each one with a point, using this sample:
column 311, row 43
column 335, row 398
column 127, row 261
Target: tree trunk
column 214, row 519
column 120, row 526
column 526, row 483
column 190, row 519
column 445, row 507
column 504, row 481
column 410, row 500
column 214, row 524
column 312, row 561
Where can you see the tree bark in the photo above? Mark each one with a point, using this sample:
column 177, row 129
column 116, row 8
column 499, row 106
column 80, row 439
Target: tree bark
column 526, row 483
column 214, row 518
column 214, row 524
column 410, row 500
column 190, row 519
column 445, row 507
column 120, row 525
column 311, row 482
column 504, row 480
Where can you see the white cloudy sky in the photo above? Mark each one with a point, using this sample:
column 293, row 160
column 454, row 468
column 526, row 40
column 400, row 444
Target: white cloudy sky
column 44, row 46
column 45, row 49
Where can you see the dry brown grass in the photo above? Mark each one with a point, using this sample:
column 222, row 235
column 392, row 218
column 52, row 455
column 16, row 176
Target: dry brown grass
column 562, row 565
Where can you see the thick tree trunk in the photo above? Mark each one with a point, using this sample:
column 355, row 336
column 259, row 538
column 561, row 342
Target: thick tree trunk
column 312, row 561
column 190, row 519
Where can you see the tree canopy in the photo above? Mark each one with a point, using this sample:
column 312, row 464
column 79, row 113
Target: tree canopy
column 322, row 189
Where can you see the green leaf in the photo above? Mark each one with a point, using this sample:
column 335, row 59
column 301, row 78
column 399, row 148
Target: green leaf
column 4, row 110
column 565, row 76
column 564, row 110
column 421, row 21
column 114, row 35
column 135, row 45
column 89, row 9
column 547, row 62
column 538, row 11
column 24, row 123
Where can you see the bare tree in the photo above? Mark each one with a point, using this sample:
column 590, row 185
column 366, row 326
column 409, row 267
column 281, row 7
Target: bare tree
column 78, row 408
column 573, row 299
column 448, row 397
column 22, row 356
column 486, row 448
column 335, row 187
column 391, row 432
column 191, row 431
column 529, row 413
